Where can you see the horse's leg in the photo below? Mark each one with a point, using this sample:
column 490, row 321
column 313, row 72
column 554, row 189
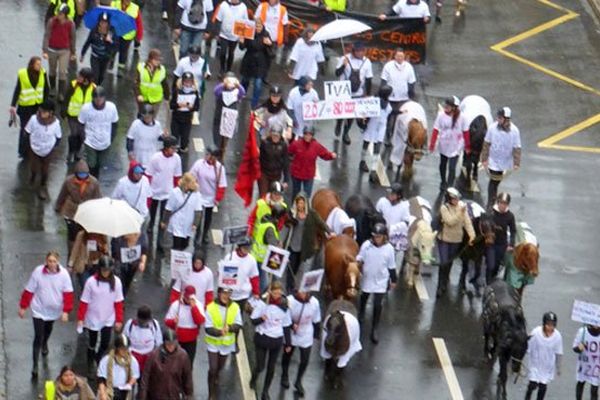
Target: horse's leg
column 408, row 165
column 410, row 281
column 338, row 382
column 502, row 376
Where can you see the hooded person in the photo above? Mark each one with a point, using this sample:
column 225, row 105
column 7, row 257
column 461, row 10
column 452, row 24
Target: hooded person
column 135, row 189
column 185, row 100
column 304, row 92
column 118, row 371
column 200, row 277
column 374, row 131
column 143, row 135
column 228, row 95
column 273, row 111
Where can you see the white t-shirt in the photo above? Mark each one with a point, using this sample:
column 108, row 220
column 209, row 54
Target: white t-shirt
column 181, row 222
column 48, row 290
column 376, row 127
column 377, row 261
column 202, row 281
column 134, row 193
column 162, row 170
column 119, row 373
column 294, row 103
column 542, row 353
column 276, row 319
column 186, row 65
column 366, row 71
column 247, row 269
column 272, row 21
column 304, row 315
column 393, row 213
column 405, row 10
column 398, row 76
column 588, row 361
column 101, row 302
column 98, row 124
column 184, row 313
column 143, row 340
column 223, row 350
column 450, row 140
column 145, row 140
column 186, row 5
column 42, row 138
column 502, row 144
column 206, row 176
column 227, row 15
column 306, row 58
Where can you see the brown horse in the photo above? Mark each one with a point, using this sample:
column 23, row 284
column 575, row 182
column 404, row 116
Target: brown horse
column 341, row 269
column 324, row 201
column 416, row 144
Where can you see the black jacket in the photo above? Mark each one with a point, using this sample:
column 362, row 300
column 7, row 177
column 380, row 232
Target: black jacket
column 274, row 159
column 257, row 60
column 505, row 222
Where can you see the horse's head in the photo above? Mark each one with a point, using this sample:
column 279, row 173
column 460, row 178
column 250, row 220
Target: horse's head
column 424, row 240
column 487, row 230
column 417, row 138
column 351, row 279
column 514, row 337
column 526, row 258
column 336, row 331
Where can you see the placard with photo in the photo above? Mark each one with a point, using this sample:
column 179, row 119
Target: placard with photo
column 275, row 261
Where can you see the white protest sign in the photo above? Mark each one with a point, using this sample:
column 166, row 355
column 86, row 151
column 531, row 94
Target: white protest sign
column 586, row 313
column 311, row 281
column 131, row 254
column 228, row 122
column 364, row 107
column 181, row 264
column 92, row 245
column 337, row 90
column 275, row 261
column 228, row 274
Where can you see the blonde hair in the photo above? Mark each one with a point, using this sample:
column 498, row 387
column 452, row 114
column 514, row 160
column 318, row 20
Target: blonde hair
column 188, row 183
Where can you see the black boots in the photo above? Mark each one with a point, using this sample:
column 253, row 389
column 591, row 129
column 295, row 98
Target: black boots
column 285, row 382
column 299, row 388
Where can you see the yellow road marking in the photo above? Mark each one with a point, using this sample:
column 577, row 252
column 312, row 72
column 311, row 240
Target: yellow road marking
column 550, row 143
column 420, row 288
column 244, row 369
column 451, row 379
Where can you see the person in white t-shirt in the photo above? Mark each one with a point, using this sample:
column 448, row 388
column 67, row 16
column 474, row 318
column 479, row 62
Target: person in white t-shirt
column 374, row 131
column 501, row 150
column 394, row 209
column 164, row 172
column 409, row 9
column 197, row 65
column 183, row 212
column 144, row 335
column 191, row 19
column 453, row 131
column 135, row 189
column 99, row 119
column 248, row 282
column 305, row 312
column 120, row 369
column 200, row 277
column 44, row 135
column 356, row 68
column 587, row 345
column 306, row 56
column 303, row 92
column 545, row 350
column 185, row 316
column 228, row 12
column 143, row 135
column 49, row 292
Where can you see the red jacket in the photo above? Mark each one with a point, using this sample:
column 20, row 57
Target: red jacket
column 304, row 162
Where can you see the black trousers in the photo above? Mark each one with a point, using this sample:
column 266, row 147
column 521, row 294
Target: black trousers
column 448, row 163
column 180, row 243
column 216, row 362
column 304, row 359
column 25, row 114
column 123, row 51
column 99, row 66
column 495, row 179
column 105, row 334
column 541, row 388
column 346, row 123
column 41, row 333
column 377, row 307
column 190, row 349
column 181, row 130
column 292, row 272
column 266, row 346
column 156, row 205
column 208, row 212
column 579, row 391
column 75, row 136
column 127, row 273
column 226, row 54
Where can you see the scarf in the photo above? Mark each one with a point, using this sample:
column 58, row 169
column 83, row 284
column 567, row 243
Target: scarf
column 64, row 390
column 124, row 362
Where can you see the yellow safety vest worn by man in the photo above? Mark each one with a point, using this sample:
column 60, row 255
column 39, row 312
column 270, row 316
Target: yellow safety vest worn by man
column 72, row 7
column 259, row 246
column 151, row 85
column 133, row 11
column 79, row 98
column 30, row 96
column 217, row 313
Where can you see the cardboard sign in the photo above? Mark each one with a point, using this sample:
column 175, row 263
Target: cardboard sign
column 364, row 107
column 311, row 281
column 275, row 261
column 92, row 245
column 228, row 274
column 586, row 313
column 244, row 29
column 234, row 234
column 228, row 122
column 337, row 90
column 181, row 264
column 131, row 254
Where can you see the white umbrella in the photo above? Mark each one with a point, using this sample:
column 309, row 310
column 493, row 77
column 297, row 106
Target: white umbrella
column 339, row 28
column 109, row 217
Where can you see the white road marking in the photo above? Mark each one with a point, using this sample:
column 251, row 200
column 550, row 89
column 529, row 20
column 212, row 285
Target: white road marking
column 244, row 369
column 217, row 236
column 381, row 174
column 195, row 118
column 317, row 173
column 451, row 380
column 420, row 288
column 198, row 144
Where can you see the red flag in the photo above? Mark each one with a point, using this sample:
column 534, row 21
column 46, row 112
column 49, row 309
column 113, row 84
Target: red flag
column 249, row 170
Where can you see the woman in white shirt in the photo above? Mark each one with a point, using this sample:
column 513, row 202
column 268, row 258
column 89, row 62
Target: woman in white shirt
column 545, row 350
column 183, row 212
column 273, row 324
column 143, row 135
column 118, row 371
column 44, row 135
column 453, row 132
column 144, row 335
column 306, row 56
column 228, row 13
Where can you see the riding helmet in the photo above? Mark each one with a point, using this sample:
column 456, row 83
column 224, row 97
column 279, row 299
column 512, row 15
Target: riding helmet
column 169, row 141
column 379, row 229
column 213, row 151
column 550, row 317
column 86, row 73
column 106, row 262
column 453, row 193
column 503, row 198
column 195, row 50
column 121, row 342
column 146, row 109
column 246, row 241
column 395, row 188
column 504, row 112
column 275, row 91
column 385, row 92
column 98, row 92
column 276, row 188
column 187, row 76
column 452, row 101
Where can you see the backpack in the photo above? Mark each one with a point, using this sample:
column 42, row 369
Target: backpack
column 196, row 12
column 354, row 77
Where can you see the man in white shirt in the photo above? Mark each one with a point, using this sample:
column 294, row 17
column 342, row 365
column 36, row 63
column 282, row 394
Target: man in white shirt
column 99, row 119
column 274, row 17
column 195, row 64
column 191, row 20
column 409, row 9
column 306, row 56
column 392, row 207
column 304, row 92
column 135, row 189
column 501, row 150
column 356, row 68
column 144, row 335
column 228, row 13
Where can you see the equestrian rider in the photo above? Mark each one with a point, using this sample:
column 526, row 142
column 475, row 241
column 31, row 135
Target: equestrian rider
column 504, row 222
column 545, row 349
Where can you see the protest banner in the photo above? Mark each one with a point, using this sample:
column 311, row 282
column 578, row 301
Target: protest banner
column 275, row 261
column 364, row 107
column 181, row 264
column 233, row 234
column 228, row 122
column 244, row 29
column 228, row 274
column 586, row 313
column 311, row 281
column 337, row 90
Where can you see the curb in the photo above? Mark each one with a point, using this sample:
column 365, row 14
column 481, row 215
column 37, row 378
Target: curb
column 3, row 358
column 595, row 4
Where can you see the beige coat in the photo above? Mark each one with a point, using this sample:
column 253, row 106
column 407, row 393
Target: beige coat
column 454, row 220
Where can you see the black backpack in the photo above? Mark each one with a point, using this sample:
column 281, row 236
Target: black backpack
column 354, row 77
column 196, row 13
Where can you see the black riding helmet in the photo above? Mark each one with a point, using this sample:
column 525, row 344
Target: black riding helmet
column 385, row 92
column 550, row 318
column 86, row 73
column 246, row 241
column 452, row 101
column 275, row 91
column 379, row 229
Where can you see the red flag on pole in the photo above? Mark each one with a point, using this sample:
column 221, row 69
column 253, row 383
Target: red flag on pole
column 249, row 170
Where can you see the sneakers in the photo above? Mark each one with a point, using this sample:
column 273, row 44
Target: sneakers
column 346, row 138
column 165, row 16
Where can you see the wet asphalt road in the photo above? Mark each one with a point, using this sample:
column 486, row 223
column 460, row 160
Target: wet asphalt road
column 554, row 192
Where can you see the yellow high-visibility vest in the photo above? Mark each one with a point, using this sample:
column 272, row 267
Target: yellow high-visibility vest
column 335, row 5
column 151, row 87
column 79, row 98
column 30, row 96
column 70, row 3
column 49, row 390
column 214, row 310
column 259, row 247
column 132, row 10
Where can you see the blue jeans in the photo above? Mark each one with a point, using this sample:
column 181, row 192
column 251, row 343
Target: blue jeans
column 447, row 253
column 494, row 255
column 258, row 83
column 189, row 39
column 298, row 184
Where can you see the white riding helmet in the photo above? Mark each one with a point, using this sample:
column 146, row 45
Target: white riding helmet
column 453, row 193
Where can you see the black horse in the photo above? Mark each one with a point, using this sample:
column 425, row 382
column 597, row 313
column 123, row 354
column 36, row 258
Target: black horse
column 505, row 334
column 477, row 131
column 361, row 208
